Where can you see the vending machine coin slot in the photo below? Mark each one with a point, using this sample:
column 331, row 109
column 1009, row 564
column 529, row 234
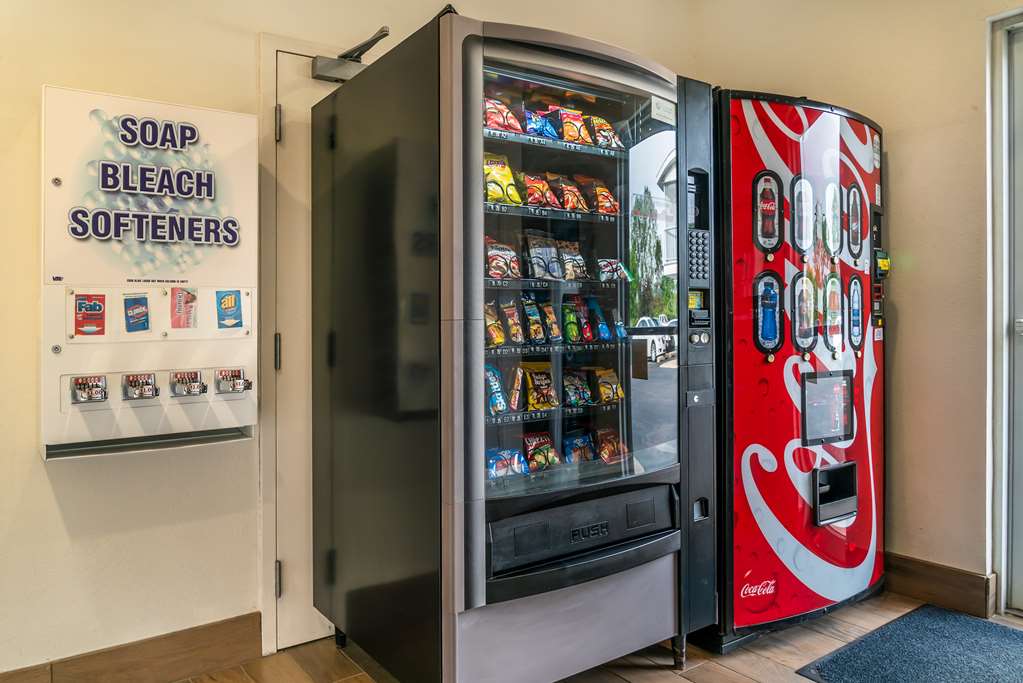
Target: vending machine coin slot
column 139, row 386
column 187, row 383
column 232, row 381
column 88, row 389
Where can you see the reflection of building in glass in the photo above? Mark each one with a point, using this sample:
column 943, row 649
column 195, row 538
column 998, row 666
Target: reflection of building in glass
column 667, row 180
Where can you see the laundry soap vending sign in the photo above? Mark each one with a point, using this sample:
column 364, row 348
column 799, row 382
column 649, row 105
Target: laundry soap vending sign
column 150, row 266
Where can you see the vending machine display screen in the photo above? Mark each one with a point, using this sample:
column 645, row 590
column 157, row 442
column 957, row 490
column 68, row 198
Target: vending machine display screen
column 827, row 407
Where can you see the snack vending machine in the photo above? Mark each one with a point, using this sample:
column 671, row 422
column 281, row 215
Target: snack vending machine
column 801, row 358
column 499, row 484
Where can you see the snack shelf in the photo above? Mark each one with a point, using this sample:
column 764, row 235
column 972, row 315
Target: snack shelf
column 565, row 475
column 552, row 414
column 553, row 214
column 549, row 349
column 566, row 286
column 549, row 143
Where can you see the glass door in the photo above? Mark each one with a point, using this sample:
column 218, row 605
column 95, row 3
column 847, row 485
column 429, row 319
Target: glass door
column 580, row 283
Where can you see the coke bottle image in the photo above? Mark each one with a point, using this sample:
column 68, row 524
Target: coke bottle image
column 804, row 312
column 767, row 207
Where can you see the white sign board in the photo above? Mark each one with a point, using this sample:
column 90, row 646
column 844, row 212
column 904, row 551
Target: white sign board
column 150, row 254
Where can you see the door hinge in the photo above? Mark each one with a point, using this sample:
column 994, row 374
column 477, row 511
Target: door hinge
column 278, row 580
column 278, row 122
column 277, row 350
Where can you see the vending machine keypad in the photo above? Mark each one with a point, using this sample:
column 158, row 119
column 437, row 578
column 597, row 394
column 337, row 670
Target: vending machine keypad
column 232, row 381
column 88, row 389
column 139, row 386
column 187, row 383
column 699, row 255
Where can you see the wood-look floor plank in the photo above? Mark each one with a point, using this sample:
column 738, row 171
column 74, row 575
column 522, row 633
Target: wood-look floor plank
column 358, row 678
column 598, row 675
column 233, row 675
column 756, row 666
column 835, row 628
column 712, row 672
column 795, row 646
column 278, row 668
column 637, row 669
column 32, row 674
column 1008, row 620
column 876, row 612
column 323, row 662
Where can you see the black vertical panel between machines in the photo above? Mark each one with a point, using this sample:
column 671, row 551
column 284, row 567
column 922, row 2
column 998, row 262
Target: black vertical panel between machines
column 696, row 355
column 375, row 331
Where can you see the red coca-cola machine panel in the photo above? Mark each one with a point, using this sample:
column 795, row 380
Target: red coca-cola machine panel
column 801, row 358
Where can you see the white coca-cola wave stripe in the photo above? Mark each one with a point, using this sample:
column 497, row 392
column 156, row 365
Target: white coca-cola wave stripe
column 862, row 152
column 778, row 122
column 831, row 581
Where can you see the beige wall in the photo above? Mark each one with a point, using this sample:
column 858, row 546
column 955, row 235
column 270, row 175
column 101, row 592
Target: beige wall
column 108, row 550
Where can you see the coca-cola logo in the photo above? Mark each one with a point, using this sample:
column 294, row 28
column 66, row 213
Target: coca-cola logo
column 768, row 205
column 750, row 590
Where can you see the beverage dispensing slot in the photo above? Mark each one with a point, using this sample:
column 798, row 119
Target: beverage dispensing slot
column 834, row 493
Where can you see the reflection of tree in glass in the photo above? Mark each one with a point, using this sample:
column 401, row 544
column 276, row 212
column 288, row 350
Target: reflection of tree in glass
column 650, row 293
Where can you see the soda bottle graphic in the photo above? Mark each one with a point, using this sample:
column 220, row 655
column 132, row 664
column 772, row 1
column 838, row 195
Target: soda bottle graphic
column 855, row 313
column 769, row 315
column 834, row 313
column 804, row 313
column 767, row 207
column 855, row 217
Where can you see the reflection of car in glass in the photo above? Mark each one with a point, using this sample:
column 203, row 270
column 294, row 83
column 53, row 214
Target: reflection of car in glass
column 673, row 337
column 657, row 344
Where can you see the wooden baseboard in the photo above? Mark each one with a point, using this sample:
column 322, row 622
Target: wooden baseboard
column 170, row 657
column 940, row 585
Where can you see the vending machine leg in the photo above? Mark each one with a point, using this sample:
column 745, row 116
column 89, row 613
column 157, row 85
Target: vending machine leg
column 678, row 651
column 340, row 639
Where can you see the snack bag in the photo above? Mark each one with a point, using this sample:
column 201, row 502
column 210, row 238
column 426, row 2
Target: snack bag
column 609, row 447
column 540, row 393
column 585, row 329
column 540, row 451
column 603, row 331
column 510, row 310
column 603, row 133
column 502, row 261
column 497, row 404
column 498, row 116
column 538, row 124
column 492, row 324
column 577, row 446
column 543, row 256
column 575, row 390
column 597, row 194
column 500, row 182
column 572, row 261
column 551, row 321
column 567, row 192
column 609, row 269
column 570, row 322
column 516, row 383
column 534, row 321
column 619, row 325
column 503, row 462
column 609, row 389
column 538, row 191
column 569, row 124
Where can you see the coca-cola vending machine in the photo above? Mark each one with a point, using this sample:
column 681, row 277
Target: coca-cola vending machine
column 800, row 354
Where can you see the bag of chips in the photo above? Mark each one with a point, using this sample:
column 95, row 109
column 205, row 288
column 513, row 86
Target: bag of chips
column 512, row 319
column 603, row 331
column 597, row 194
column 538, row 124
column 497, row 403
column 497, row 116
column 572, row 261
column 609, row 269
column 609, row 447
column 609, row 389
column 500, row 182
column 534, row 321
column 502, row 261
column 550, row 319
column 540, row 391
column 538, row 191
column 603, row 133
column 494, row 330
column 544, row 262
column 582, row 314
column 540, row 451
column 515, row 385
column 570, row 322
column 569, row 124
column 577, row 446
column 575, row 390
column 567, row 192
column 503, row 462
